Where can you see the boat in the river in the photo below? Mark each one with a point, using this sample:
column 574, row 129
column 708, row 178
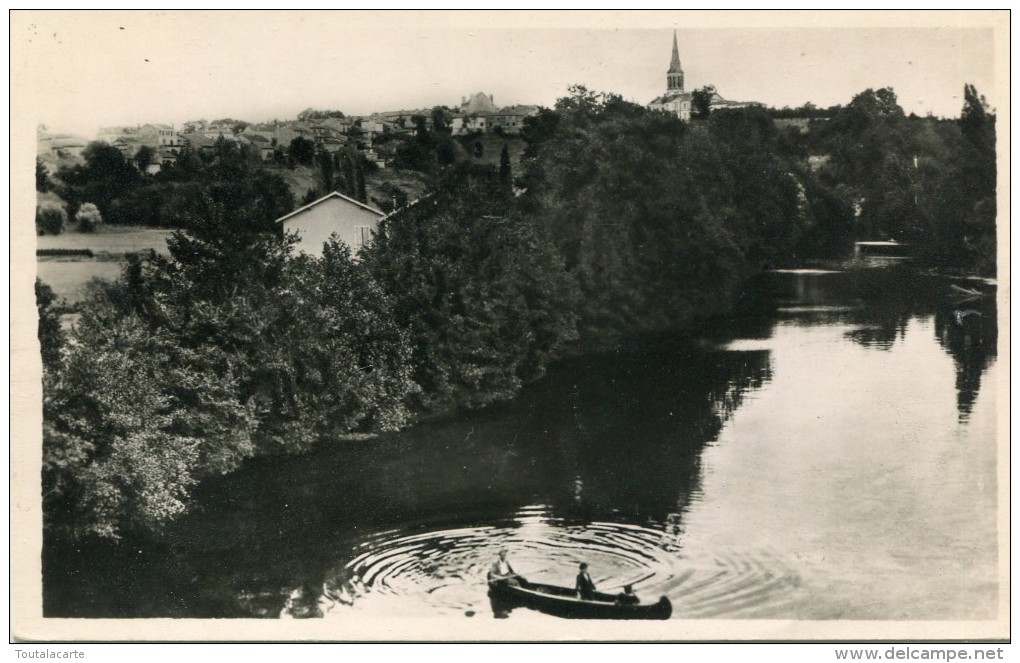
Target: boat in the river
column 564, row 602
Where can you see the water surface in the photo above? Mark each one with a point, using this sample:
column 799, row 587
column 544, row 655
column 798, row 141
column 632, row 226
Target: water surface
column 827, row 452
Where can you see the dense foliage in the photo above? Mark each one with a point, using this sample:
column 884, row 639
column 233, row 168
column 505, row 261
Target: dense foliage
column 50, row 219
column 658, row 220
column 622, row 222
column 480, row 292
column 178, row 195
column 923, row 181
column 189, row 364
column 343, row 171
column 88, row 218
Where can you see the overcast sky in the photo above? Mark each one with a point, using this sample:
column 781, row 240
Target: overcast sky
column 78, row 71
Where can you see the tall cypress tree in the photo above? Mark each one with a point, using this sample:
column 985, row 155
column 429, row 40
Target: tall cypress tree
column 505, row 176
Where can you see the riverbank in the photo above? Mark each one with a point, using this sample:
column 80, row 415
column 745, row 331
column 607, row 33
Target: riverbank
column 714, row 471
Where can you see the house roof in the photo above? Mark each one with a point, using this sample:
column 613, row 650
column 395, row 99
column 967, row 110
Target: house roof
column 671, row 96
column 519, row 109
column 67, row 142
column 722, row 103
column 408, row 206
column 199, row 140
column 335, row 194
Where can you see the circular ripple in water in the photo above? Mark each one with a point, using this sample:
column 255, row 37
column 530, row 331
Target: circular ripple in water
column 443, row 572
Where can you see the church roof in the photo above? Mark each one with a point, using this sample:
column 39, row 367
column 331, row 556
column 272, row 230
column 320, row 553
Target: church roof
column 674, row 63
column 669, row 97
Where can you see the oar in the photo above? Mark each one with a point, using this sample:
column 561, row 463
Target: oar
column 632, row 582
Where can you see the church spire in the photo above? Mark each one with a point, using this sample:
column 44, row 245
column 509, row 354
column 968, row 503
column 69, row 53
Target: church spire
column 675, row 75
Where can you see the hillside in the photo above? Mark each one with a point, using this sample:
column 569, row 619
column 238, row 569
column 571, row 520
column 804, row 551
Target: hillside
column 492, row 145
column 302, row 178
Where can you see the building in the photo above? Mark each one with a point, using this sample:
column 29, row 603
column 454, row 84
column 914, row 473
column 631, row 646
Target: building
column 676, row 100
column 353, row 222
column 479, row 114
column 477, row 103
column 259, row 145
column 679, row 101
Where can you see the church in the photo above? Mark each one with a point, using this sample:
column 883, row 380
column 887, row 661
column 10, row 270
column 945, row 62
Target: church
column 678, row 101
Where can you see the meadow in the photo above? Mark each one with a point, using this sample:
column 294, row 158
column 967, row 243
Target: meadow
column 69, row 275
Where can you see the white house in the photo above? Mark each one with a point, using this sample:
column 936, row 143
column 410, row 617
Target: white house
column 352, row 221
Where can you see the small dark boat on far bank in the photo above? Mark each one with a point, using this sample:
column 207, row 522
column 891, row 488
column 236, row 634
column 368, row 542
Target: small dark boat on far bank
column 564, row 602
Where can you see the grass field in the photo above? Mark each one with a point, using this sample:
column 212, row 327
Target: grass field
column 109, row 240
column 69, row 276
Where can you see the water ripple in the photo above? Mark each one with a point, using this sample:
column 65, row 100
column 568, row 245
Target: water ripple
column 443, row 572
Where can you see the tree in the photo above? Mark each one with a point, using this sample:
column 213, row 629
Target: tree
column 657, row 224
column 327, row 170
column 421, row 130
column 505, row 176
column 976, row 121
column 50, row 219
column 130, row 424
column 446, row 151
column 51, row 335
column 312, row 114
column 302, row 150
column 88, row 218
column 144, row 156
column 105, row 176
column 440, row 125
column 478, row 293
column 419, row 153
column 881, row 102
column 42, row 179
column 359, row 181
column 701, row 102
column 393, row 197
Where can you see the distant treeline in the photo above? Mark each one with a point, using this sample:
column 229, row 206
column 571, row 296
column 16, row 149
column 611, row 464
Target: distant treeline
column 623, row 222
column 807, row 111
column 177, row 196
column 925, row 181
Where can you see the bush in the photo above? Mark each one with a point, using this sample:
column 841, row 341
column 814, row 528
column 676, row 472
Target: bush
column 88, row 217
column 50, row 220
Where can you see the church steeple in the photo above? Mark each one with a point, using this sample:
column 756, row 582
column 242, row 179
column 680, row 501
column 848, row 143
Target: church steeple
column 675, row 75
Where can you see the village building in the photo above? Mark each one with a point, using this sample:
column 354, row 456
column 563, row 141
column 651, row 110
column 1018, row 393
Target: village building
column 68, row 146
column 54, row 148
column 479, row 114
column 402, row 121
column 351, row 221
column 259, row 144
column 676, row 100
column 679, row 101
column 200, row 143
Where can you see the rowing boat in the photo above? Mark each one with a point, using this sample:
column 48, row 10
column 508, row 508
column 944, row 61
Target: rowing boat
column 564, row 602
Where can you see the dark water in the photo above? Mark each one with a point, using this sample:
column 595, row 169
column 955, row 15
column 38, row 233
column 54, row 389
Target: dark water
column 828, row 452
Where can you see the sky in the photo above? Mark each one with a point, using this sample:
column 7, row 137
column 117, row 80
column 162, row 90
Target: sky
column 78, row 71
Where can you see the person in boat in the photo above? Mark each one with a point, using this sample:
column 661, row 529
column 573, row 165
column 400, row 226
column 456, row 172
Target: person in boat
column 501, row 570
column 585, row 586
column 627, row 596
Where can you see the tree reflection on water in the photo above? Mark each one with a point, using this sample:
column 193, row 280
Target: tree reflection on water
column 879, row 303
column 615, row 439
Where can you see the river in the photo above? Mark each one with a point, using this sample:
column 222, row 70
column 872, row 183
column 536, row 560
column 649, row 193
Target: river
column 826, row 452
